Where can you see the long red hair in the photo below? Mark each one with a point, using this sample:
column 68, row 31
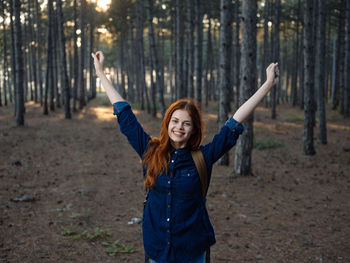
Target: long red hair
column 157, row 157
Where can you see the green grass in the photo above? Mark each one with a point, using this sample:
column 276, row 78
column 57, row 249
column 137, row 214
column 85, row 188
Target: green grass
column 267, row 144
column 295, row 118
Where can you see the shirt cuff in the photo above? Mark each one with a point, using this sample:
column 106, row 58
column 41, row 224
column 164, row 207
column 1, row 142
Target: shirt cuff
column 234, row 125
column 118, row 107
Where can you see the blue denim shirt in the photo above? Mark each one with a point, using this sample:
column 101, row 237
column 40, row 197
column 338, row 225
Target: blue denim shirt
column 176, row 226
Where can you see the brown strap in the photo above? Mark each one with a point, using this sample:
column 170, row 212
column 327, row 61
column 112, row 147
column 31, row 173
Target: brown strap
column 199, row 161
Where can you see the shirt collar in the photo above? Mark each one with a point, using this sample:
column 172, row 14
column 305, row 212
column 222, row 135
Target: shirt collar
column 179, row 151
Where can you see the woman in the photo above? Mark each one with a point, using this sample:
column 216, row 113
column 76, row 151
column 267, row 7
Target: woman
column 176, row 226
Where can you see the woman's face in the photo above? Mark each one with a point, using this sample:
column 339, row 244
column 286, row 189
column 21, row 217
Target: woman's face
column 180, row 128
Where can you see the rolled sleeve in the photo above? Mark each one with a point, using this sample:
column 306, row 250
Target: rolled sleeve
column 234, row 125
column 119, row 107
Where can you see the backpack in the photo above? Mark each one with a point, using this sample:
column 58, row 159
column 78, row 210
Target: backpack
column 201, row 167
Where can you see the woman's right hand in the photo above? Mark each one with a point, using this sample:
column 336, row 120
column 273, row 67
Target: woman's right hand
column 98, row 62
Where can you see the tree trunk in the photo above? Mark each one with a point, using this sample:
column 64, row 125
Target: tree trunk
column 81, row 78
column 19, row 66
column 191, row 24
column 320, row 73
column 276, row 56
column 141, row 56
column 347, row 65
column 49, row 58
column 179, row 78
column 65, row 87
column 75, row 57
column 339, row 77
column 154, row 57
column 91, row 64
column 243, row 153
column 199, row 49
column 55, row 93
column 13, row 54
column 38, row 51
column 294, row 92
column 5, row 65
column 309, row 79
column 237, row 53
column 225, row 65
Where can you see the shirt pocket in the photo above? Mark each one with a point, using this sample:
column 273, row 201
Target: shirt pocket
column 186, row 183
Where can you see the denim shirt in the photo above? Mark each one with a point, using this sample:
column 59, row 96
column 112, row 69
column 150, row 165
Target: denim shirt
column 176, row 226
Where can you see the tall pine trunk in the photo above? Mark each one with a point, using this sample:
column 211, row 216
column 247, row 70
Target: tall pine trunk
column 225, row 65
column 347, row 65
column 19, row 103
column 179, row 78
column 243, row 153
column 75, row 57
column 276, row 56
column 320, row 73
column 191, row 24
column 308, row 79
column 199, row 51
column 64, row 73
column 154, row 57
column 237, row 52
column 81, row 79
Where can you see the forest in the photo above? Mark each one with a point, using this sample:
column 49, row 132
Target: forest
column 69, row 187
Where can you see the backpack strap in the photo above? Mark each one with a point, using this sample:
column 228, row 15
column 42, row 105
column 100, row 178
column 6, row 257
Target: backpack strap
column 199, row 161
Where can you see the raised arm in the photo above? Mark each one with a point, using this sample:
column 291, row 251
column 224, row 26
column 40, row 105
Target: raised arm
column 248, row 107
column 112, row 93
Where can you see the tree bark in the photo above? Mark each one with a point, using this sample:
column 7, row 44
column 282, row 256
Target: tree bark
column 199, row 53
column 154, row 57
column 38, row 52
column 64, row 73
column 243, row 153
column 237, row 52
column 339, row 77
column 13, row 54
column 347, row 65
column 320, row 73
column 276, row 56
column 225, row 65
column 75, row 57
column 81, row 81
column 309, row 79
column 19, row 66
column 191, row 24
column 179, row 78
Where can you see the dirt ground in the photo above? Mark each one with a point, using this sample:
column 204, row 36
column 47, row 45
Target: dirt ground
column 85, row 189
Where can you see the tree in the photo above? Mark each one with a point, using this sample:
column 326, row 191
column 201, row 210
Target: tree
column 320, row 73
column 199, row 51
column 19, row 103
column 243, row 153
column 191, row 24
column 81, row 78
column 154, row 57
column 179, row 78
column 276, row 51
column 308, row 79
column 64, row 73
column 140, row 80
column 38, row 51
column 347, row 65
column 225, row 65
column 237, row 52
column 339, row 77
column 75, row 57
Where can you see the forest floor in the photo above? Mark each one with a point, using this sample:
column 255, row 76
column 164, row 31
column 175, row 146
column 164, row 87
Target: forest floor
column 84, row 190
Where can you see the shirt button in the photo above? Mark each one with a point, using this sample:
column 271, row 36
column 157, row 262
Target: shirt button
column 168, row 231
column 169, row 193
column 168, row 182
column 168, row 206
column 168, row 219
column 168, row 243
column 175, row 152
column 172, row 161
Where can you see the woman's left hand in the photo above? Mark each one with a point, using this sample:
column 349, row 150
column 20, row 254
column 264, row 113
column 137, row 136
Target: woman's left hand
column 272, row 73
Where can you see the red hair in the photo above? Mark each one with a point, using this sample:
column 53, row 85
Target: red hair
column 157, row 157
